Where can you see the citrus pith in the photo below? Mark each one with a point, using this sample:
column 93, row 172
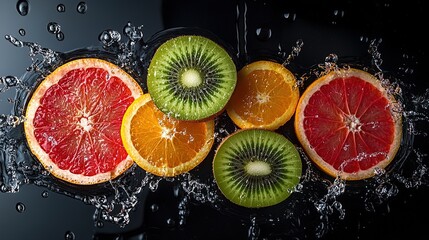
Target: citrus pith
column 73, row 121
column 265, row 96
column 162, row 145
column 347, row 124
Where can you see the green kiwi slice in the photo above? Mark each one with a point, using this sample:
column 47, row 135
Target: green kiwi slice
column 257, row 168
column 191, row 77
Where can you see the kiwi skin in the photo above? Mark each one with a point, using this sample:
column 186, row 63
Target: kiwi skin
column 194, row 53
column 236, row 191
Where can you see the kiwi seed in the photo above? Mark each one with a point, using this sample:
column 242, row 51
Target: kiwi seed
column 191, row 77
column 257, row 168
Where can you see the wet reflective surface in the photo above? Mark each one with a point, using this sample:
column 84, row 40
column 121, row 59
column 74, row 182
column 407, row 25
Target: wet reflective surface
column 375, row 35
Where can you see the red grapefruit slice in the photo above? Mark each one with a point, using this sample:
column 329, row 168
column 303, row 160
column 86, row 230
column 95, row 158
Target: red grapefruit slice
column 346, row 125
column 73, row 121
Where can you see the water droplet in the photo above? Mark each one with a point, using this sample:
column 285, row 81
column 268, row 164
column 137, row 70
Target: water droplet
column 99, row 224
column 133, row 33
column 263, row 33
column 14, row 41
column 60, row 36
column 61, row 8
column 154, row 207
column 9, row 81
column 331, row 58
column 21, row 32
column 20, row 207
column 337, row 15
column 69, row 235
column 82, row 7
column 290, row 17
column 22, row 7
column 54, row 28
column 363, row 39
column 109, row 37
column 3, row 187
column 171, row 222
column 45, row 194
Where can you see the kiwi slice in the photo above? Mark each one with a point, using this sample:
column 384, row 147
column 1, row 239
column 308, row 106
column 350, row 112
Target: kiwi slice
column 257, row 168
column 191, row 77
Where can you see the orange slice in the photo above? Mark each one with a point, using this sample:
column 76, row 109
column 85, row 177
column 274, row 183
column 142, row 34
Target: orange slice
column 73, row 121
column 265, row 96
column 162, row 145
column 347, row 125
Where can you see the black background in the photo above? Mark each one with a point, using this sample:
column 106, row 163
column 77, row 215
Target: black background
column 399, row 25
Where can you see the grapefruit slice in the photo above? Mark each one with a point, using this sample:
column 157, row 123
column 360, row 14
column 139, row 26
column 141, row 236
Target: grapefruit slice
column 346, row 124
column 162, row 145
column 73, row 121
column 265, row 96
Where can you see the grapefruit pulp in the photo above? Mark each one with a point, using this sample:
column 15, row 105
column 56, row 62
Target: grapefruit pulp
column 347, row 125
column 73, row 121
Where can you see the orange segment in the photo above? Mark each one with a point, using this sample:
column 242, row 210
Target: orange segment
column 161, row 145
column 73, row 121
column 346, row 123
column 265, row 96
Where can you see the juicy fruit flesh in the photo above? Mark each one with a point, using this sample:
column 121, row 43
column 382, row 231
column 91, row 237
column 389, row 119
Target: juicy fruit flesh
column 177, row 144
column 270, row 95
column 191, row 78
column 162, row 145
column 354, row 128
column 257, row 168
column 73, row 116
column 265, row 97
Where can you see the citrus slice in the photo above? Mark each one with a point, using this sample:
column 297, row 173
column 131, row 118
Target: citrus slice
column 73, row 121
column 265, row 96
column 162, row 145
column 347, row 125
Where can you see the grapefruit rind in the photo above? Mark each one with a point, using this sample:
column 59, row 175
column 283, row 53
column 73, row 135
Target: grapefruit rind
column 288, row 77
column 310, row 151
column 163, row 171
column 34, row 103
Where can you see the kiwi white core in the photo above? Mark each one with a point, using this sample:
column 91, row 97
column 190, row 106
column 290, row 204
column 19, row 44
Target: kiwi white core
column 191, row 78
column 257, row 168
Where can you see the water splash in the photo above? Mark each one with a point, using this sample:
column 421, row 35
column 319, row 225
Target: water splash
column 241, row 30
column 42, row 58
column 375, row 53
column 114, row 200
column 328, row 204
column 254, row 230
column 316, row 194
column 296, row 49
column 126, row 51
